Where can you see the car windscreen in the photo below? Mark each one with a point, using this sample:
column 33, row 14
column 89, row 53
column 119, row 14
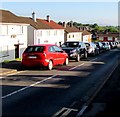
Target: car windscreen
column 87, row 44
column 30, row 49
column 103, row 43
column 70, row 44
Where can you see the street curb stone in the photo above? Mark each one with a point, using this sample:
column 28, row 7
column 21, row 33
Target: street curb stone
column 8, row 72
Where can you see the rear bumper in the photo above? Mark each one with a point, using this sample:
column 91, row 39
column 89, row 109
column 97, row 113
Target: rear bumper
column 35, row 62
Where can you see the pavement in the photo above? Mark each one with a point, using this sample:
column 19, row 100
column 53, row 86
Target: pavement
column 8, row 68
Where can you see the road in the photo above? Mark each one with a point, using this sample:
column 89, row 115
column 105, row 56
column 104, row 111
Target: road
column 61, row 92
column 107, row 101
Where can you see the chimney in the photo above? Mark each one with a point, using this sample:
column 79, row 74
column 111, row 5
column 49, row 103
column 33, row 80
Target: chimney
column 64, row 24
column 71, row 24
column 80, row 28
column 84, row 28
column 34, row 16
column 48, row 18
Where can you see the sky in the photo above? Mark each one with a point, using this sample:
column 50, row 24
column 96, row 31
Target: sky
column 102, row 13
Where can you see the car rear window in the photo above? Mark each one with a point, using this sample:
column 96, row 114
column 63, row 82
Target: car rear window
column 34, row 49
column 87, row 44
column 70, row 44
column 103, row 43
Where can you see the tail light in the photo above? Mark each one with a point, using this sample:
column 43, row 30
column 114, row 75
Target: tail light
column 42, row 55
column 23, row 55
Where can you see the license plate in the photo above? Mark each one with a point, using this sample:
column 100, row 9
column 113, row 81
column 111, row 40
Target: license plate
column 32, row 57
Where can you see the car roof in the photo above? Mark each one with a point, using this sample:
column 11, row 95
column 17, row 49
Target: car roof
column 43, row 45
column 73, row 41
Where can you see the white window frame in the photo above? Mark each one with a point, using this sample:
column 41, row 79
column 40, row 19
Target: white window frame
column 4, row 51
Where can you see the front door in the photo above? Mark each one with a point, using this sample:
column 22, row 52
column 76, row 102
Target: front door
column 16, row 51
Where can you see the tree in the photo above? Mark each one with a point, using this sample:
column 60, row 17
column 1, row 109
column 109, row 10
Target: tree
column 94, row 25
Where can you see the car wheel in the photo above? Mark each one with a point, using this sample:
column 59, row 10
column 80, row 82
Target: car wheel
column 66, row 61
column 50, row 65
column 98, row 52
column 78, row 58
column 86, row 55
column 94, row 53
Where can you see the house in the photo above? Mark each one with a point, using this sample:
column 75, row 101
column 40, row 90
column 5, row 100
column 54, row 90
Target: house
column 54, row 32
column 108, row 37
column 76, row 34
column 86, row 35
column 13, row 35
column 17, row 32
column 43, row 31
column 71, row 32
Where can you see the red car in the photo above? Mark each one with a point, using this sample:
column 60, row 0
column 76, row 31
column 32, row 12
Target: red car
column 47, row 55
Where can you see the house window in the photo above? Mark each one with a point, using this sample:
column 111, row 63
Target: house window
column 39, row 33
column 48, row 33
column 101, row 38
column 3, row 29
column 55, row 32
column 73, row 36
column 69, row 36
column 61, row 32
column 38, row 41
column 21, row 29
column 110, row 38
column 0, row 30
column 4, row 51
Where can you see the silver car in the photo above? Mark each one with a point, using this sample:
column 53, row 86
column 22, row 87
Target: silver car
column 106, row 45
column 92, row 49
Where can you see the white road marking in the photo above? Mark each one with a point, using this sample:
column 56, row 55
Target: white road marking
column 81, row 111
column 67, row 111
column 15, row 92
column 76, row 66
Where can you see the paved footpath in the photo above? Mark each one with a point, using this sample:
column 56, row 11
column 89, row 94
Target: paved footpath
column 9, row 68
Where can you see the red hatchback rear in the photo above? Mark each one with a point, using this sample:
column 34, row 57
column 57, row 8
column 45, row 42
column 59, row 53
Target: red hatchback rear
column 47, row 55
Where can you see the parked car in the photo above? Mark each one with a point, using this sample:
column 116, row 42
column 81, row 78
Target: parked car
column 118, row 44
column 47, row 55
column 100, row 46
column 92, row 48
column 106, row 45
column 115, row 44
column 75, row 50
column 112, row 46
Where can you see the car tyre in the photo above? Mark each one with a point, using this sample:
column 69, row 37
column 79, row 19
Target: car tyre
column 50, row 65
column 85, row 55
column 94, row 53
column 98, row 52
column 66, row 61
column 78, row 58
